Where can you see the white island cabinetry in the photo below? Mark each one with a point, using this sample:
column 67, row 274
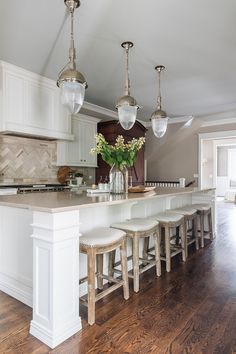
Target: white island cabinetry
column 77, row 152
column 30, row 105
column 40, row 263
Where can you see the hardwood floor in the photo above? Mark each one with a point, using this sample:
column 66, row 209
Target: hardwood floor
column 190, row 310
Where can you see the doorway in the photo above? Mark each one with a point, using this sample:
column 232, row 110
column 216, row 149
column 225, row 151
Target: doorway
column 217, row 163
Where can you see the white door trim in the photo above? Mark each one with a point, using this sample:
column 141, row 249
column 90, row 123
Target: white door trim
column 207, row 136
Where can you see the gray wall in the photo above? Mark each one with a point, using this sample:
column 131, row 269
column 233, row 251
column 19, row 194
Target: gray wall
column 176, row 154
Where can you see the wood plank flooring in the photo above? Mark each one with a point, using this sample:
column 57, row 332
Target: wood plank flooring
column 190, row 310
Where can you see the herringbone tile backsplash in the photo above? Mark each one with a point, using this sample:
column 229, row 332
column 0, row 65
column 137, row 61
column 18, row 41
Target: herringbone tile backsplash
column 27, row 160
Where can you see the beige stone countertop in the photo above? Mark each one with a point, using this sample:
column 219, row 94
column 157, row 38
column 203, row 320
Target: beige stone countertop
column 54, row 202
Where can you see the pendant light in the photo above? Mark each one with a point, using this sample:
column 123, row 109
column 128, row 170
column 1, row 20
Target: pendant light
column 159, row 117
column 71, row 82
column 127, row 105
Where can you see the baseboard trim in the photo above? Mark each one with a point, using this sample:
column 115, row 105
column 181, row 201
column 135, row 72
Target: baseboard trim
column 17, row 292
column 54, row 339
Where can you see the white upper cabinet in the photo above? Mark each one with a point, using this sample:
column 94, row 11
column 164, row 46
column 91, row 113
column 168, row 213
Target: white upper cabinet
column 30, row 104
column 77, row 152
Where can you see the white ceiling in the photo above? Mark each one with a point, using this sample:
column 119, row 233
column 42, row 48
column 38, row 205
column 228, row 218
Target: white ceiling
column 194, row 39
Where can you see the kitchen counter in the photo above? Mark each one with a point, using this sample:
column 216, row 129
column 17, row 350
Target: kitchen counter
column 40, row 263
column 65, row 201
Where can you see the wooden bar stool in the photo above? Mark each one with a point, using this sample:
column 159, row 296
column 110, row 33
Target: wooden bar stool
column 95, row 244
column 169, row 221
column 204, row 210
column 136, row 229
column 191, row 234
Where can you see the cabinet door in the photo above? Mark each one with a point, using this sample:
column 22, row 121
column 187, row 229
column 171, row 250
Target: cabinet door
column 87, row 131
column 77, row 152
column 68, row 153
column 62, row 118
column 13, row 98
column 73, row 148
column 40, row 103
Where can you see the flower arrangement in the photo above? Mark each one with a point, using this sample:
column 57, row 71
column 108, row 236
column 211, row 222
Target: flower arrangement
column 121, row 154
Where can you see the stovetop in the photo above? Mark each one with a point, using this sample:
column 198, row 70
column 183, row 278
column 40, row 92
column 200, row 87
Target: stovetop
column 30, row 188
column 42, row 188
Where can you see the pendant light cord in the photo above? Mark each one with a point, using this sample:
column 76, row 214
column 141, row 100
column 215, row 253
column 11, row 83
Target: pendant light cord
column 72, row 53
column 127, row 79
column 159, row 90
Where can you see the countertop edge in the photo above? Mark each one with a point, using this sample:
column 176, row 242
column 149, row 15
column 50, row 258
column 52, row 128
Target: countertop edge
column 143, row 196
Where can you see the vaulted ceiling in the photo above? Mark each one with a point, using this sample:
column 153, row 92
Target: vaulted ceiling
column 194, row 39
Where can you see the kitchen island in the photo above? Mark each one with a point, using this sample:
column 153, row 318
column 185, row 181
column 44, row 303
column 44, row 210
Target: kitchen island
column 39, row 247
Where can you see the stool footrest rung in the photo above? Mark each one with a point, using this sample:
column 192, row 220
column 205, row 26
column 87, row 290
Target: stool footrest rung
column 103, row 293
column 83, row 280
column 119, row 263
column 163, row 258
column 189, row 242
column 111, row 279
column 84, row 300
column 140, row 259
column 108, row 290
column 144, row 260
column 119, row 272
column 143, row 269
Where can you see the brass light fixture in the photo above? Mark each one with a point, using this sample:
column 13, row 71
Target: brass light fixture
column 159, row 117
column 71, row 82
column 127, row 105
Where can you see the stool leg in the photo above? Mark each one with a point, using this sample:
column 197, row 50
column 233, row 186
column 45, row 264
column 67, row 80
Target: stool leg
column 195, row 231
column 124, row 269
column 210, row 225
column 145, row 248
column 100, row 271
column 202, row 229
column 157, row 241
column 177, row 236
column 167, row 249
column 111, row 264
column 183, row 235
column 185, row 230
column 91, row 285
column 136, row 263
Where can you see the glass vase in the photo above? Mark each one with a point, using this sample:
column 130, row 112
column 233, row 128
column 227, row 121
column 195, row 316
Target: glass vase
column 118, row 180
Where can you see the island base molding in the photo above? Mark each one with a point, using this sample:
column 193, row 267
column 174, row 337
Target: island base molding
column 54, row 338
column 55, row 276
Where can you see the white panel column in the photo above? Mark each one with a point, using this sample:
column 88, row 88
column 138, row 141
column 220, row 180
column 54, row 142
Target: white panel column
column 55, row 276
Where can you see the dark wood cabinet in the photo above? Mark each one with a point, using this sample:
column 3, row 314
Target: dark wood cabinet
column 111, row 130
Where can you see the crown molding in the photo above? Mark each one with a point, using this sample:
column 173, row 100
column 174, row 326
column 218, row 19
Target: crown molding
column 101, row 110
column 221, row 121
column 176, row 120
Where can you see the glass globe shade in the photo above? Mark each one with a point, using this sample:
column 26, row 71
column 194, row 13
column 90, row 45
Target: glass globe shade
column 159, row 126
column 72, row 95
column 127, row 116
